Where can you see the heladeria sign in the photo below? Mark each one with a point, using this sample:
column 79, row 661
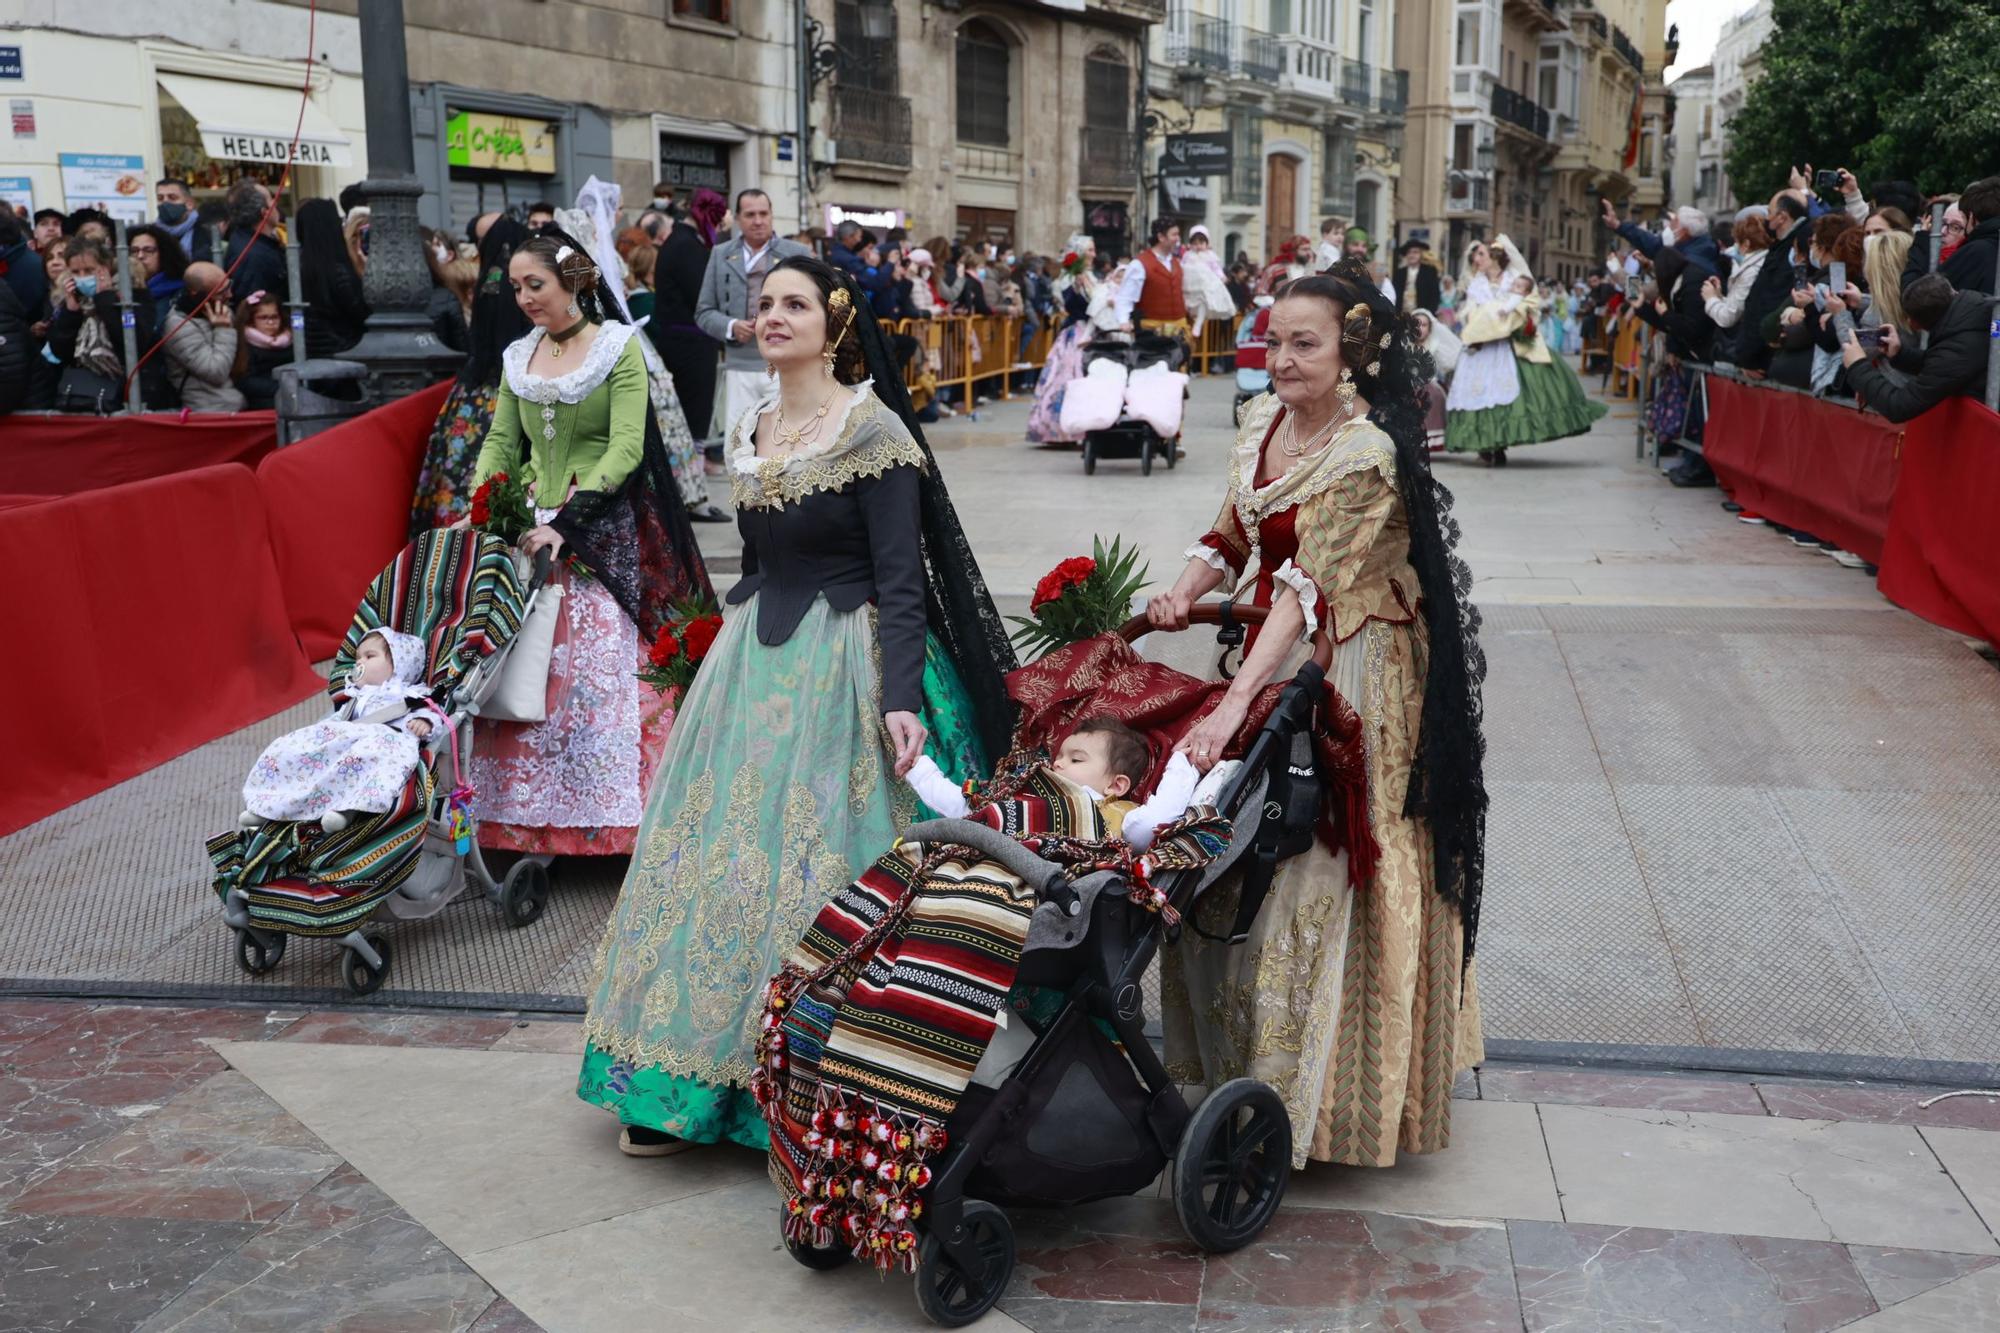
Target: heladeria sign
column 264, row 148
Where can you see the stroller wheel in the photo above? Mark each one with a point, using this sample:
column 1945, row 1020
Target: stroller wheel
column 525, row 892
column 951, row 1297
column 1089, row 456
column 812, row 1256
column 1173, row 452
column 1232, row 1165
column 360, row 977
column 1146, row 457
column 258, row 953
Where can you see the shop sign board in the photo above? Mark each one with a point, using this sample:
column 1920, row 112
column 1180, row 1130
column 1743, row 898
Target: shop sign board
column 874, row 219
column 692, row 164
column 501, row 143
column 18, row 192
column 1196, row 155
column 235, row 146
column 1183, row 196
column 21, row 110
column 10, row 63
column 111, row 181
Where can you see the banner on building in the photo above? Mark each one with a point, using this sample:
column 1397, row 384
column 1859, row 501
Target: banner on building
column 18, row 192
column 113, row 182
column 1197, row 154
column 1183, row 196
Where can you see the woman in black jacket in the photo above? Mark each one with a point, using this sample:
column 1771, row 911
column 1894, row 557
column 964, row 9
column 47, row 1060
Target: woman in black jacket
column 87, row 335
column 690, row 355
column 1683, row 315
column 336, row 308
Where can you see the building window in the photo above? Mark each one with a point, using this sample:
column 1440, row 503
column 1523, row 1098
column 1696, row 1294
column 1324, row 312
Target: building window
column 1468, row 37
column 1368, row 207
column 1462, row 156
column 1107, row 91
column 1367, row 43
column 865, row 33
column 983, row 77
column 715, row 11
column 1246, row 143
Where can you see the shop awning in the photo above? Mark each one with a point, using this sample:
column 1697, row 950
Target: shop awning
column 253, row 122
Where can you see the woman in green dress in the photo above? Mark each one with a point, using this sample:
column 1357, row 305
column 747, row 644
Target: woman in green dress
column 860, row 636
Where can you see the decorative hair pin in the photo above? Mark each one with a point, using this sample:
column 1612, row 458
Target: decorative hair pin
column 563, row 252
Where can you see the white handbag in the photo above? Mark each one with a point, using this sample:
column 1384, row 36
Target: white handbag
column 522, row 692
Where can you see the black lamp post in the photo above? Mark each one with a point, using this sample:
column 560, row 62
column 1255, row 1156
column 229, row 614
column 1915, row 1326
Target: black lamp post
column 398, row 345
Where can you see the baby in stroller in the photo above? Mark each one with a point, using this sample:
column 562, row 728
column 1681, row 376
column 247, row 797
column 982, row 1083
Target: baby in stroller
column 359, row 759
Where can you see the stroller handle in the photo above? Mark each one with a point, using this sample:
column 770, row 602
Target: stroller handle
column 544, row 561
column 1225, row 613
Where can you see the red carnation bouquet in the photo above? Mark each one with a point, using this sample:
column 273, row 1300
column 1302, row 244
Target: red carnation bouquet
column 1072, row 263
column 683, row 643
column 1080, row 598
column 500, row 508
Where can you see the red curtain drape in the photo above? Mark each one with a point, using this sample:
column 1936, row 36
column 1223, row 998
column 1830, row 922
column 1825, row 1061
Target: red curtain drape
column 340, row 510
column 1939, row 559
column 1803, row 462
column 60, row 455
column 146, row 620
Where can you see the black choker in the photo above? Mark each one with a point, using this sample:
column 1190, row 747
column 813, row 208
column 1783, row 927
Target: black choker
column 570, row 332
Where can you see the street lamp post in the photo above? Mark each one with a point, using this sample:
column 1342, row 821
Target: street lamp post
column 398, row 345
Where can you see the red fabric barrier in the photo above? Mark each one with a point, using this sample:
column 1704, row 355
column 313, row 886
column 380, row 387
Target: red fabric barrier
column 146, row 620
column 61, row 455
column 1803, row 462
column 1938, row 561
column 339, row 506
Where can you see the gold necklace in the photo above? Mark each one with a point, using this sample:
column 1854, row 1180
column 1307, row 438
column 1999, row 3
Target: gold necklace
column 790, row 439
column 1288, row 443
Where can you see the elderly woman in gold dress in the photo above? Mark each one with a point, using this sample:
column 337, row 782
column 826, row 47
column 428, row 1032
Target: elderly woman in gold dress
column 1354, row 996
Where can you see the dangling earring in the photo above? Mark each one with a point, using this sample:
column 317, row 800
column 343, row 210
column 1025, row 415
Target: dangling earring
column 1345, row 390
column 573, row 310
column 828, row 359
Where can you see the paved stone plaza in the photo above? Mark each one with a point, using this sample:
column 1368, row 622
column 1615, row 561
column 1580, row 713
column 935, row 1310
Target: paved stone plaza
column 1743, row 814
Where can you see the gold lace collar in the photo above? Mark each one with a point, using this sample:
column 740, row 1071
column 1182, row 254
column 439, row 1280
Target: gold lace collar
column 867, row 440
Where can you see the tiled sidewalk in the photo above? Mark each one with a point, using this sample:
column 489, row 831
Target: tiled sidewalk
column 424, row 1171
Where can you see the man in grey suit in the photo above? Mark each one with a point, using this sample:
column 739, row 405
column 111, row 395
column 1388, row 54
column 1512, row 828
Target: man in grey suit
column 726, row 310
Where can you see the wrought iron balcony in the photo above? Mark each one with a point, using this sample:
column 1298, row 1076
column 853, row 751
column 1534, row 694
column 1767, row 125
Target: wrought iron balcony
column 1623, row 46
column 1108, row 158
column 1395, row 92
column 1356, row 83
column 1262, row 58
column 1514, row 109
column 1468, row 195
column 871, row 127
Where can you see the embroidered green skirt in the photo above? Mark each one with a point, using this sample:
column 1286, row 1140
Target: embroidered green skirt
column 775, row 792
column 1552, row 406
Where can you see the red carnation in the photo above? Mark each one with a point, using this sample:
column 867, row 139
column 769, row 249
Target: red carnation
column 664, row 649
column 700, row 635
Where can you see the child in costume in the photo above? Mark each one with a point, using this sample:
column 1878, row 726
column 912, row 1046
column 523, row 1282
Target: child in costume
column 359, row 759
column 1108, row 760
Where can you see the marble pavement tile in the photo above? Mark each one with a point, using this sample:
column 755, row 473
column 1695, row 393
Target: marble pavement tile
column 1574, row 1278
column 1496, row 1166
column 503, row 1316
column 350, row 1028
column 345, row 1249
column 1971, row 1303
column 1972, row 1156
column 103, row 1274
column 1879, row 1104
column 1760, row 1176
column 1326, row 1268
column 23, row 1020
column 1897, row 1275
column 1116, row 1250
column 485, row 1148
column 549, row 1036
column 1052, row 1316
column 222, row 1152
column 715, row 1260
column 1604, row 1087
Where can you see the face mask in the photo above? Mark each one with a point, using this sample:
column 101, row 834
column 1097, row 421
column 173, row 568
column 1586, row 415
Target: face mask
column 87, row 285
column 171, row 214
column 443, row 255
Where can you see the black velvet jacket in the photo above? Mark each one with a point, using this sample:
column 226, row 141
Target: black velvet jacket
column 844, row 523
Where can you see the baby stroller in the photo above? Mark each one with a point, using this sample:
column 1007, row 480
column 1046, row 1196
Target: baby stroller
column 461, row 593
column 1079, row 1107
column 1148, row 419
column 1253, row 376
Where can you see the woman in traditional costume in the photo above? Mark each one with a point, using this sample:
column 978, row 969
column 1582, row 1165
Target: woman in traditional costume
column 574, row 421
column 444, row 482
column 1354, row 996
column 861, row 632
column 1508, row 389
column 1074, row 287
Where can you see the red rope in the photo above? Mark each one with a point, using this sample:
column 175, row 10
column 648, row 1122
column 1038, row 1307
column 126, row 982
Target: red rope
column 284, row 182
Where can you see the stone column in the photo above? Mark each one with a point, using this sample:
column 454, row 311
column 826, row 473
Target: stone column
column 398, row 345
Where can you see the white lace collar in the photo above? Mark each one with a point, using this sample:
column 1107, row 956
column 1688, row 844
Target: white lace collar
column 578, row 384
column 1356, row 445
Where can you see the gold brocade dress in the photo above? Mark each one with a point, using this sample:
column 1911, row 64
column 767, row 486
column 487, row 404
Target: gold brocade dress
column 1351, row 1002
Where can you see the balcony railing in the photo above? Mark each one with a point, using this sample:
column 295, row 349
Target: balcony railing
column 1108, row 158
column 871, row 126
column 1394, row 96
column 1469, row 195
column 1208, row 44
column 1623, row 46
column 985, row 160
column 1262, row 58
column 1515, row 109
column 1357, row 83
column 1309, row 67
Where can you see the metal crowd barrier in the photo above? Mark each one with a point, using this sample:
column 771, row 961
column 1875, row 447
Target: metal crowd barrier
column 973, row 350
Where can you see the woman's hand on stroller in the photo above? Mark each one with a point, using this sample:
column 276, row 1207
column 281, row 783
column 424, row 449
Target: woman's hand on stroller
column 1169, row 610
column 538, row 537
column 907, row 736
column 1204, row 746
